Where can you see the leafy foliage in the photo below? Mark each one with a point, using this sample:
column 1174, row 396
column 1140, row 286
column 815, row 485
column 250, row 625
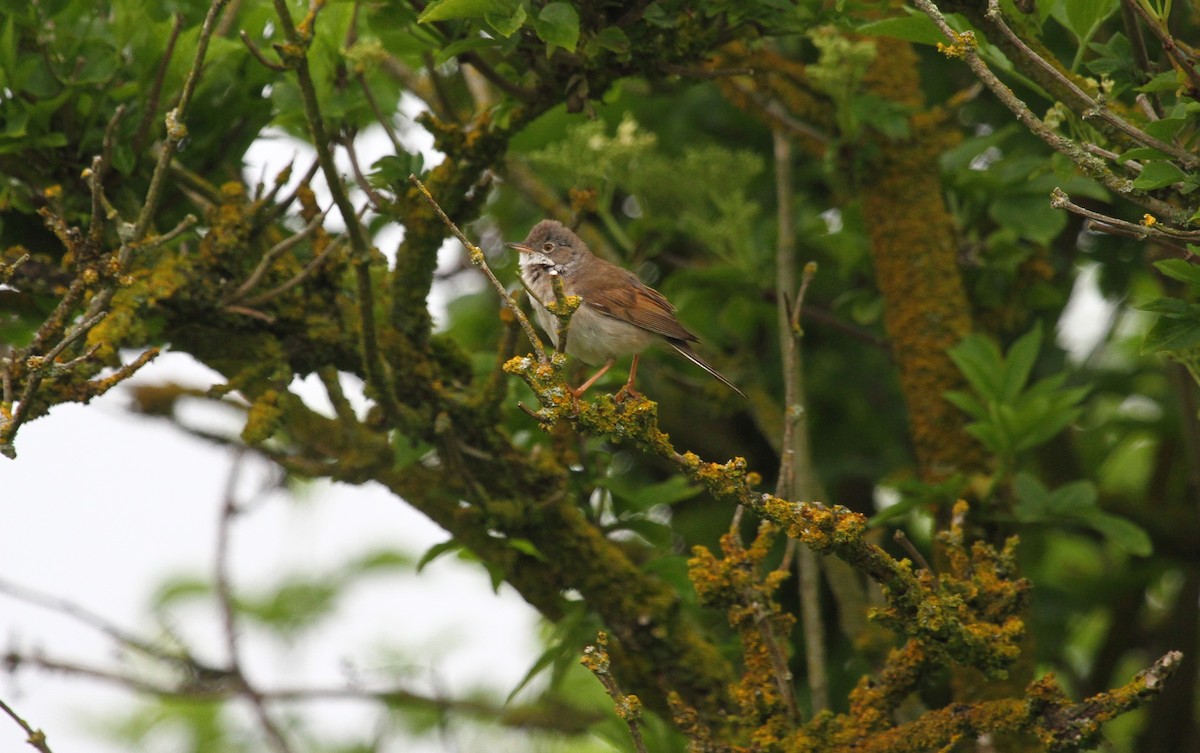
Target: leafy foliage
column 713, row 148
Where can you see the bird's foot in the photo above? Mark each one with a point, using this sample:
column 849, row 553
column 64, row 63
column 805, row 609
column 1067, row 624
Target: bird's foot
column 625, row 393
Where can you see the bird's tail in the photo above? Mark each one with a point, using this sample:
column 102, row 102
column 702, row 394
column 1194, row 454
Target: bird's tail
column 682, row 348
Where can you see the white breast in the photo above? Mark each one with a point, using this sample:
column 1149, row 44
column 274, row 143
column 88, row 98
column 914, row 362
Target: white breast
column 593, row 337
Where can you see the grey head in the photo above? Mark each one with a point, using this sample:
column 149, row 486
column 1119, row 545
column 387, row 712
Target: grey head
column 551, row 245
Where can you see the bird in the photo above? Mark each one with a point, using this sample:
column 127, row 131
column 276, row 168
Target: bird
column 619, row 315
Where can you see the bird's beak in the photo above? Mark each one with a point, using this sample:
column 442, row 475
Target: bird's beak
column 522, row 247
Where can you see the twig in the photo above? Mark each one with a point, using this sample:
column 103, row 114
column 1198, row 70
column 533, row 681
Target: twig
column 281, row 208
column 337, row 398
column 269, row 258
column 1149, row 228
column 797, row 478
column 87, row 617
column 36, row 738
column 900, row 538
column 372, row 358
column 155, row 94
column 1094, row 108
column 380, row 117
column 187, row 222
column 259, row 55
column 208, row 692
column 1099, row 151
column 227, row 603
column 628, row 707
column 95, row 178
column 516, row 91
column 176, row 131
column 478, row 259
column 377, row 202
column 1159, row 29
column 296, row 279
column 964, row 45
column 564, row 308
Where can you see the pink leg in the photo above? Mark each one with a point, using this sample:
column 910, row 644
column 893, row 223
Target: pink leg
column 628, row 390
column 583, row 387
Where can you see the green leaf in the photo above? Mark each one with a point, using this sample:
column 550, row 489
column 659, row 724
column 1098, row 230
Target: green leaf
column 437, row 550
column 1173, row 307
column 1174, row 334
column 383, row 559
column 392, row 171
column 454, row 49
column 1033, row 500
column 558, row 26
column 1158, row 174
column 1121, row 531
column 915, row 27
column 1083, row 16
column 1073, row 499
column 641, row 496
column 980, row 361
column 1166, row 129
column 1167, row 81
column 294, row 605
column 1030, row 215
column 445, row 10
column 1142, row 153
column 180, row 589
column 1019, row 363
column 507, row 24
column 612, row 38
column 525, row 546
column 967, row 403
column 1179, row 269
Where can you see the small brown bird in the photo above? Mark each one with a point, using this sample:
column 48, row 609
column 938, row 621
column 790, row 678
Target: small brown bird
column 619, row 315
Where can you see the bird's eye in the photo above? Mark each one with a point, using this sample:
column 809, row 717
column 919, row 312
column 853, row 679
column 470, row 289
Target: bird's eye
column 547, row 246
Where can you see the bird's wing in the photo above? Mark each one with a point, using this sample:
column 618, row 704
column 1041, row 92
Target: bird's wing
column 623, row 296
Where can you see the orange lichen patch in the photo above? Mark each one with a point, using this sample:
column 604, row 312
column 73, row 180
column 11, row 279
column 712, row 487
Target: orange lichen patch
column 914, row 252
column 736, row 582
column 779, row 91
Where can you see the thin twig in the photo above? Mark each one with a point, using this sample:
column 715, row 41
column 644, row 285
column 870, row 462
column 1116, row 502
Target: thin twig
column 628, row 707
column 1094, row 107
column 373, row 364
column 903, row 540
column 964, row 45
column 797, row 477
column 272, row 254
column 1159, row 29
column 228, row 607
column 295, row 279
column 209, row 691
column 378, row 202
column 259, row 55
column 96, row 182
column 155, row 94
column 176, row 131
column 36, row 738
column 516, row 91
column 1150, row 228
column 479, row 260
column 380, row 118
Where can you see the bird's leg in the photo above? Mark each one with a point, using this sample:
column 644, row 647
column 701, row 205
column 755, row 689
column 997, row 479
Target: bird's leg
column 583, row 387
column 628, row 390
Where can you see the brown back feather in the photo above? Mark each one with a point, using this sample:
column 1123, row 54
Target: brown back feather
column 620, row 294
